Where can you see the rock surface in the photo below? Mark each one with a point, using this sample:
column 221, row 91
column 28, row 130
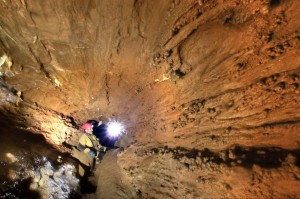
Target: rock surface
column 208, row 90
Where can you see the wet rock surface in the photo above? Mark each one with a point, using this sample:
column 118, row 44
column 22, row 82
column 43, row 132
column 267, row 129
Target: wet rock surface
column 208, row 90
column 31, row 168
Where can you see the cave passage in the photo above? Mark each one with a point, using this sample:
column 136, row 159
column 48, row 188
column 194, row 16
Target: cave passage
column 207, row 90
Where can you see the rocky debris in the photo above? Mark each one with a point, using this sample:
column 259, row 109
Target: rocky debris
column 52, row 183
column 30, row 174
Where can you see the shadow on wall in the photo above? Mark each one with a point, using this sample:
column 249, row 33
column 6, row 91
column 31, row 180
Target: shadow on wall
column 14, row 139
column 265, row 157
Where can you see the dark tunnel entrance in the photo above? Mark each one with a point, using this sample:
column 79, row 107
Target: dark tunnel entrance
column 100, row 131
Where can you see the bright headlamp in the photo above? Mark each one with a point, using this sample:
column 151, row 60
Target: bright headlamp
column 114, row 129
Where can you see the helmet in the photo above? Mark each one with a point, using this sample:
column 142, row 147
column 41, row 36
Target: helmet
column 86, row 126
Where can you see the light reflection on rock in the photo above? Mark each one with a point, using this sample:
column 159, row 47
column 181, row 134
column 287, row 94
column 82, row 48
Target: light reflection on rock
column 55, row 183
column 48, row 180
column 11, row 158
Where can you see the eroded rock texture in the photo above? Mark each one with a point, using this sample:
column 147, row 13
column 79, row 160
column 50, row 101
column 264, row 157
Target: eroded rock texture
column 208, row 89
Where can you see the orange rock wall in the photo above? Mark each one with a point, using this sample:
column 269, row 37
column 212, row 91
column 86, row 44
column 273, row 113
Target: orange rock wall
column 208, row 90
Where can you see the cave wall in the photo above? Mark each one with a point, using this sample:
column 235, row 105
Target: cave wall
column 208, row 90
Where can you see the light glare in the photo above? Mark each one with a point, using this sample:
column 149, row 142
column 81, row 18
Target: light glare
column 114, row 129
